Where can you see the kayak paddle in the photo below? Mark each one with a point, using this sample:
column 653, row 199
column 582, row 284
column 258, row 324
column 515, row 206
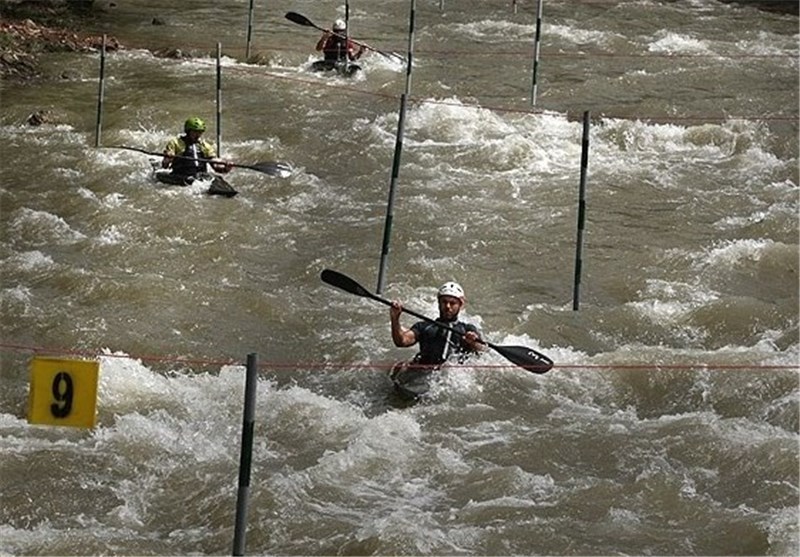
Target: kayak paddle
column 280, row 169
column 300, row 19
column 522, row 356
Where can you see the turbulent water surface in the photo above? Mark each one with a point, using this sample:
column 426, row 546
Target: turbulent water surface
column 669, row 424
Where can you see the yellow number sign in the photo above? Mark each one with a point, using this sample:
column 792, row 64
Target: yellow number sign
column 63, row 392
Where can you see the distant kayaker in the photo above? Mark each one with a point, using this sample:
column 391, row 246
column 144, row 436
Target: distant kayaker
column 336, row 46
column 185, row 154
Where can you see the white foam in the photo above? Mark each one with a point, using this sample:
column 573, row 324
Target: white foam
column 676, row 43
column 43, row 228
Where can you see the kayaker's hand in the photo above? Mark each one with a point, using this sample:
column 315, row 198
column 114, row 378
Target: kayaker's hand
column 395, row 310
column 400, row 335
column 321, row 42
column 166, row 162
column 221, row 166
column 473, row 340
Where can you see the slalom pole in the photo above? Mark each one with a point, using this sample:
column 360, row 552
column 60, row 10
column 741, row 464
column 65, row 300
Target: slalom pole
column 387, row 227
column 410, row 57
column 581, row 212
column 536, row 50
column 219, row 99
column 246, row 456
column 249, row 30
column 100, row 94
column 398, row 148
column 347, row 36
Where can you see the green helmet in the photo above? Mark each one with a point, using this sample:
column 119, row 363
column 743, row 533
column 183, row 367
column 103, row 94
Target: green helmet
column 194, row 124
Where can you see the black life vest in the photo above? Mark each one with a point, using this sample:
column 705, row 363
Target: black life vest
column 192, row 165
column 437, row 345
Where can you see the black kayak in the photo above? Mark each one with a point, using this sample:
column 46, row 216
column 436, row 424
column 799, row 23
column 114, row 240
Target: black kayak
column 411, row 380
column 341, row 68
column 215, row 185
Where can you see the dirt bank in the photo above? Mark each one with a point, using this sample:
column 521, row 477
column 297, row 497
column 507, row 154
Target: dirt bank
column 29, row 28
column 23, row 41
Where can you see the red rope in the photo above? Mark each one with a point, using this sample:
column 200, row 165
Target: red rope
column 379, row 365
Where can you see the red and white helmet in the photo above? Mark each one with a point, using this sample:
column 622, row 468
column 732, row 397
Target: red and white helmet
column 451, row 289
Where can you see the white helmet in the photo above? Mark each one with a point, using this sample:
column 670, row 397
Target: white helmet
column 339, row 25
column 451, row 289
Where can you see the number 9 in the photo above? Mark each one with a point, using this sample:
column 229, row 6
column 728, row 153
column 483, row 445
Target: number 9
column 62, row 394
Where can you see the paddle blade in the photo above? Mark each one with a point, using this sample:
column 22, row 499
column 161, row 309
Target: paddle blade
column 279, row 169
column 344, row 282
column 525, row 358
column 337, row 279
column 221, row 187
column 299, row 19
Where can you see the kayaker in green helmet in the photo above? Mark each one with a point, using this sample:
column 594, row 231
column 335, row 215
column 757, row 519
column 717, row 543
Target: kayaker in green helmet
column 189, row 154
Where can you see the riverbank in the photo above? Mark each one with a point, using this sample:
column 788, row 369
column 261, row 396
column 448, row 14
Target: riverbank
column 24, row 41
column 30, row 29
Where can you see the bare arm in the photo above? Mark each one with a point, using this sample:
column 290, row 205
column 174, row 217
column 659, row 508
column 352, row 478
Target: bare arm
column 401, row 336
column 355, row 54
column 169, row 151
column 322, row 40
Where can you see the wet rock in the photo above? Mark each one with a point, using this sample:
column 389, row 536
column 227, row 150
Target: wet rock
column 259, row 59
column 47, row 116
column 778, row 6
column 175, row 53
column 18, row 65
column 38, row 118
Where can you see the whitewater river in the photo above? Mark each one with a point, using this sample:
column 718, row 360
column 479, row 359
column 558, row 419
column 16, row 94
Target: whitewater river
column 669, row 424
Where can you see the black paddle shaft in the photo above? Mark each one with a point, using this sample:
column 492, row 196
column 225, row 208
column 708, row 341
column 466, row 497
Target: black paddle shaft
column 271, row 168
column 522, row 356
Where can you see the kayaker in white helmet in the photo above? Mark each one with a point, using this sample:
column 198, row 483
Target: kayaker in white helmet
column 337, row 46
column 438, row 344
